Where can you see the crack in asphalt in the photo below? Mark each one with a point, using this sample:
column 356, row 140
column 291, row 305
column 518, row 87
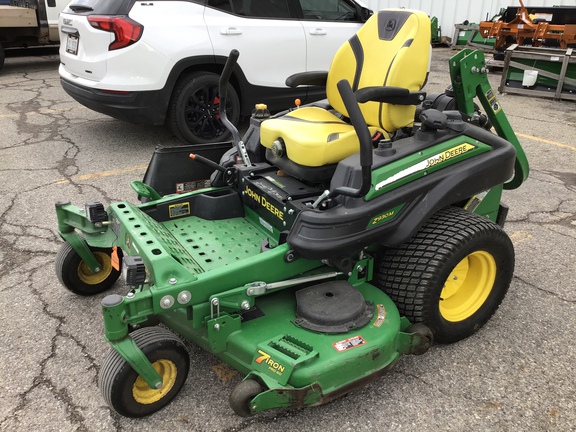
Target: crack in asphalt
column 67, row 166
column 563, row 233
column 551, row 293
column 9, row 207
column 42, row 379
column 564, row 218
column 18, row 257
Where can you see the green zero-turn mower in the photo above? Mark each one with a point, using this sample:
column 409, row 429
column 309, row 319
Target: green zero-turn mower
column 331, row 240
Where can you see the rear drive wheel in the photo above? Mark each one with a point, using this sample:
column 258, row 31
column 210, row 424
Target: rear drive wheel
column 126, row 392
column 452, row 275
column 75, row 275
column 242, row 394
column 194, row 111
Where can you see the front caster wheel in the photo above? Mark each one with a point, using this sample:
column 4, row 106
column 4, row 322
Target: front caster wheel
column 126, row 392
column 452, row 275
column 75, row 275
column 425, row 336
column 242, row 394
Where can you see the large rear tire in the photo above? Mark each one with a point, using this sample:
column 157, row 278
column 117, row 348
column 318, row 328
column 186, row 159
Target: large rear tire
column 452, row 275
column 194, row 111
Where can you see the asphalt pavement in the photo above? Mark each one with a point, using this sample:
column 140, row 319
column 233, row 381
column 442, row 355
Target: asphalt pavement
column 516, row 373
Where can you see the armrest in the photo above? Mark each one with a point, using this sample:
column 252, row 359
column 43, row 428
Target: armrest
column 391, row 95
column 316, row 78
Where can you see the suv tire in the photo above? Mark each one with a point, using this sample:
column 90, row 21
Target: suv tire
column 193, row 114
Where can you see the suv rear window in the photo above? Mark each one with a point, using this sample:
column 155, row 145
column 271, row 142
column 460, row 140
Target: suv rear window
column 253, row 8
column 99, row 7
column 328, row 10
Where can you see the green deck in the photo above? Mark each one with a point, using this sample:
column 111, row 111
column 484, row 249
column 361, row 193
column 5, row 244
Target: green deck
column 301, row 356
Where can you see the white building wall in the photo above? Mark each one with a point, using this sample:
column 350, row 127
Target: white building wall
column 450, row 12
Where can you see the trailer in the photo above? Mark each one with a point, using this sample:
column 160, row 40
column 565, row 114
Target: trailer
column 28, row 23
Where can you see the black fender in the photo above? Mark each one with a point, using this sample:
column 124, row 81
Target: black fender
column 345, row 228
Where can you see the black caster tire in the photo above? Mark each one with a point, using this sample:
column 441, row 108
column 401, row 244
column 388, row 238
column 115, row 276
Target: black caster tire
column 126, row 392
column 451, row 276
column 426, row 335
column 193, row 113
column 76, row 276
column 242, row 395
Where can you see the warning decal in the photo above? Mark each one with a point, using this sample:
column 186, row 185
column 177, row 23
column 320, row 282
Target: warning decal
column 350, row 343
column 381, row 315
column 493, row 101
column 192, row 186
column 177, row 210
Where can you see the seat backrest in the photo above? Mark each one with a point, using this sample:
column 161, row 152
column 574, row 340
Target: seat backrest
column 391, row 49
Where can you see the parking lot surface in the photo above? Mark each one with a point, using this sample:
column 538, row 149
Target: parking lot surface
column 517, row 373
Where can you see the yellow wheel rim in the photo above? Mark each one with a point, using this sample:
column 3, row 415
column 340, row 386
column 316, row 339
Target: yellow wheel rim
column 89, row 278
column 145, row 395
column 468, row 286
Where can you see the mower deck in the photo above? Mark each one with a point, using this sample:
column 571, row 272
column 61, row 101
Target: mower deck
column 271, row 346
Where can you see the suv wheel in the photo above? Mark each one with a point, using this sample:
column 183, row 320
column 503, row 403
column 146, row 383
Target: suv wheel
column 194, row 111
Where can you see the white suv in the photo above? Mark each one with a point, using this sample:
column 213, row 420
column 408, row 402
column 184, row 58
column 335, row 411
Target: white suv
column 158, row 61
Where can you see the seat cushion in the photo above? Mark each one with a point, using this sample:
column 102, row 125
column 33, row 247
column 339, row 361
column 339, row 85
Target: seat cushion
column 391, row 49
column 312, row 136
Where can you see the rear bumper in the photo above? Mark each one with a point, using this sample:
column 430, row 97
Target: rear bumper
column 143, row 107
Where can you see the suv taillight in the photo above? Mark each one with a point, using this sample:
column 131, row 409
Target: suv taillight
column 126, row 30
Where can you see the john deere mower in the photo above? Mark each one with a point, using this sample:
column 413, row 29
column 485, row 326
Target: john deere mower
column 330, row 240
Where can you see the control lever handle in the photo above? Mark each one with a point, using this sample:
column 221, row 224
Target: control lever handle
column 223, row 85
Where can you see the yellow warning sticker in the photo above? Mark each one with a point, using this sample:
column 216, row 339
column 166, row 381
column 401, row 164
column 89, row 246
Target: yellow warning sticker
column 178, row 210
column 381, row 315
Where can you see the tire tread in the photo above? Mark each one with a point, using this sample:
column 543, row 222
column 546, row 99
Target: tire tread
column 408, row 273
column 114, row 362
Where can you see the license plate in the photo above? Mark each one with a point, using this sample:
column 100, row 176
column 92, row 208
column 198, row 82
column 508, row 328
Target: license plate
column 72, row 44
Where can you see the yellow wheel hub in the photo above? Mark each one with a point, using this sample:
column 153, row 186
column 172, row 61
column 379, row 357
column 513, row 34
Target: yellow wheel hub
column 145, row 395
column 89, row 278
column 468, row 286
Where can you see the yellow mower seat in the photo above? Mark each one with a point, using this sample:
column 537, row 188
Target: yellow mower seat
column 311, row 137
column 391, row 49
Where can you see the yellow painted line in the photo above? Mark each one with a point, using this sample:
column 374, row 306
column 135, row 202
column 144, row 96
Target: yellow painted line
column 530, row 137
column 520, row 237
column 102, row 174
